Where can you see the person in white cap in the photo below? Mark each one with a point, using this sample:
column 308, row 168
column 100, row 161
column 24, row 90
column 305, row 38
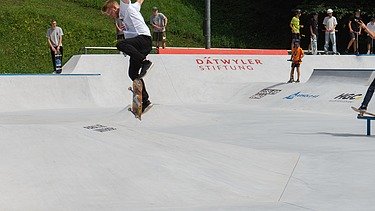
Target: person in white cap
column 330, row 24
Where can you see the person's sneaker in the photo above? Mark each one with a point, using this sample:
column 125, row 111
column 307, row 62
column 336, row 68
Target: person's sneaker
column 146, row 66
column 347, row 51
column 297, row 81
column 146, row 106
column 362, row 108
column 290, row 80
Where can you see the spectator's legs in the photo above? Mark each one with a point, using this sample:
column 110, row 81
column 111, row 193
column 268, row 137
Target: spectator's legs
column 333, row 40
column 53, row 59
column 314, row 45
column 326, row 42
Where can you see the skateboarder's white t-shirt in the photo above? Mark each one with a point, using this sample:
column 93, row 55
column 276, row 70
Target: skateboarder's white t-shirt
column 331, row 23
column 371, row 26
column 54, row 35
column 133, row 20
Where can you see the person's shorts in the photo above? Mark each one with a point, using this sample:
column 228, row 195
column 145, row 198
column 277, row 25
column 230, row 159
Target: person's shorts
column 158, row 36
column 370, row 40
column 296, row 64
column 295, row 37
column 353, row 35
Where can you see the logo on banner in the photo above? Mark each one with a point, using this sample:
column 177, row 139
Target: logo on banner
column 227, row 64
column 346, row 98
column 300, row 95
column 265, row 92
column 100, row 128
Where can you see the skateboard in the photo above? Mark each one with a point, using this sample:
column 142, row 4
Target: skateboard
column 361, row 113
column 136, row 107
column 58, row 62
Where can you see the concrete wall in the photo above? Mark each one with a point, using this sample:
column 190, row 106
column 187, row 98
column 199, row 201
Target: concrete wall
column 191, row 79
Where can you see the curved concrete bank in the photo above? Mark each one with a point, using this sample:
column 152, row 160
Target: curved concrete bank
column 223, row 134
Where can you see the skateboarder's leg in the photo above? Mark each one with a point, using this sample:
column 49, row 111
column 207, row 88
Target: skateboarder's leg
column 61, row 52
column 368, row 96
column 298, row 72
column 134, row 47
column 53, row 59
column 134, row 67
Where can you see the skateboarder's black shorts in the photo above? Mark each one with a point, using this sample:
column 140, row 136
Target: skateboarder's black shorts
column 295, row 64
column 369, row 40
column 158, row 36
column 353, row 35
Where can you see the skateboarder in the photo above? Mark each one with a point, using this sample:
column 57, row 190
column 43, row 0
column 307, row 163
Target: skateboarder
column 137, row 43
column 54, row 37
column 296, row 59
column 370, row 90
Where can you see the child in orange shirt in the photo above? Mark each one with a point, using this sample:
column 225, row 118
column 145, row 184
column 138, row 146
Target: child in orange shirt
column 296, row 59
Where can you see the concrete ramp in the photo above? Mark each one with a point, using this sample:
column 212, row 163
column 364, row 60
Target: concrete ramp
column 223, row 134
column 347, row 76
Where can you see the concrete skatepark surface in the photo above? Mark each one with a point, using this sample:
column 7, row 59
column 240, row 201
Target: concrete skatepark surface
column 225, row 133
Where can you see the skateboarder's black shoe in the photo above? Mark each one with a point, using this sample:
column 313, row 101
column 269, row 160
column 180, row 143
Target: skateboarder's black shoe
column 362, row 108
column 290, row 80
column 146, row 106
column 146, row 66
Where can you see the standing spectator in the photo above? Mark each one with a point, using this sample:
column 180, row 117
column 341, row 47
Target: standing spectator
column 370, row 41
column 314, row 33
column 296, row 59
column 158, row 22
column 54, row 37
column 295, row 27
column 330, row 24
column 120, row 28
column 354, row 31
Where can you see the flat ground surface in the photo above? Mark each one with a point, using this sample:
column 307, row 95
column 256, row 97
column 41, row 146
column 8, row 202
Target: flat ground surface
column 204, row 157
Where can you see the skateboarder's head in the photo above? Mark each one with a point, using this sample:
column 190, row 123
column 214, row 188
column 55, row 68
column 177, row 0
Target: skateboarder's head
column 53, row 23
column 329, row 12
column 111, row 8
column 297, row 12
column 315, row 15
column 155, row 11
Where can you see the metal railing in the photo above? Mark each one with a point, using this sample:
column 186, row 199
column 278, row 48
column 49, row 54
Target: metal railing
column 86, row 49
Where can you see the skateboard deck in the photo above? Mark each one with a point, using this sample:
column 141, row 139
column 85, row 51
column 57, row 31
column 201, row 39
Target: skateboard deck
column 136, row 107
column 58, row 62
column 361, row 113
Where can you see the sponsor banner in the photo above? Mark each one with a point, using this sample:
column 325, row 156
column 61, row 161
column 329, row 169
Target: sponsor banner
column 300, row 95
column 228, row 64
column 265, row 92
column 346, row 98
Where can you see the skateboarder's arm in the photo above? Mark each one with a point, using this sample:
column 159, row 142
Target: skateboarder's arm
column 165, row 21
column 364, row 27
column 60, row 42
column 140, row 1
column 51, row 45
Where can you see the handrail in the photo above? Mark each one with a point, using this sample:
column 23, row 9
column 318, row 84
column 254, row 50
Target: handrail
column 99, row 48
column 85, row 49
